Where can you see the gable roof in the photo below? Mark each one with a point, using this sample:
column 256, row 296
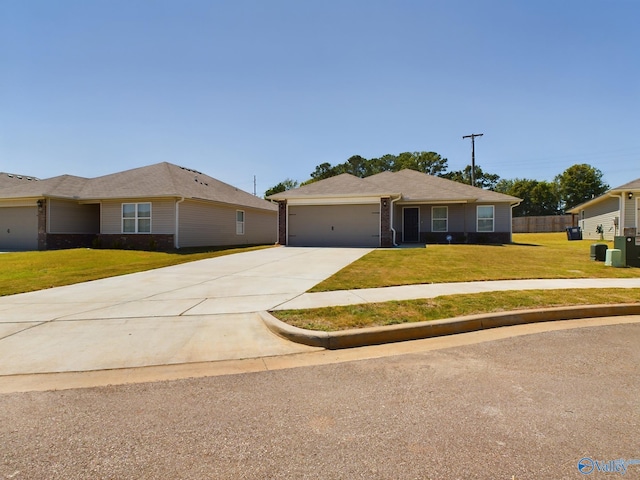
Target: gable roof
column 412, row 185
column 421, row 187
column 632, row 186
column 158, row 180
column 63, row 186
column 343, row 185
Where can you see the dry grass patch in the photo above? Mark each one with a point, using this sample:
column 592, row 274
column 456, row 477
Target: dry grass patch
column 390, row 313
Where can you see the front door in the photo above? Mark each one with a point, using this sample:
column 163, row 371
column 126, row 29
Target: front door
column 411, row 224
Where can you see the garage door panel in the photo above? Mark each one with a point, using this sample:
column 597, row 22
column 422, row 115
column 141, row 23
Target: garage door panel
column 334, row 225
column 18, row 228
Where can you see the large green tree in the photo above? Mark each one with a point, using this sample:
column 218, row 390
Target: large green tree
column 538, row 197
column 425, row 162
column 482, row 179
column 579, row 183
column 283, row 186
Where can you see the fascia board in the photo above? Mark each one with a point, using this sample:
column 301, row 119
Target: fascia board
column 436, row 201
column 333, row 200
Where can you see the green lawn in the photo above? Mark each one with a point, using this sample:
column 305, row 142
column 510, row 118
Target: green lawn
column 548, row 255
column 530, row 256
column 28, row 271
column 391, row 313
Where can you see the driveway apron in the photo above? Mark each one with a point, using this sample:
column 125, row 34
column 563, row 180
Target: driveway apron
column 195, row 312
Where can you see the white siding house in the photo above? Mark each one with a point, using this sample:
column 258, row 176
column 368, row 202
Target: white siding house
column 617, row 211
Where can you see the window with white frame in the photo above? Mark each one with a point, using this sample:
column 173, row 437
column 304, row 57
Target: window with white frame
column 136, row 218
column 439, row 219
column 485, row 218
column 239, row 222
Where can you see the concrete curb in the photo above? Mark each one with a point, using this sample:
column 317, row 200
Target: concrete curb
column 414, row 331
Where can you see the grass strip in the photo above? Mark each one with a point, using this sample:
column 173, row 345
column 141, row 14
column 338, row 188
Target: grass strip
column 407, row 311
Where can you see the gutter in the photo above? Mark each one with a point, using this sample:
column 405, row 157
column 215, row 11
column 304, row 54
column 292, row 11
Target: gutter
column 393, row 230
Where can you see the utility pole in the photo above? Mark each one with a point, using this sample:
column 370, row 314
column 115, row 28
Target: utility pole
column 473, row 155
column 254, row 185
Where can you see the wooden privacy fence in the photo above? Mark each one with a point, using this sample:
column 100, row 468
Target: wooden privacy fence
column 547, row 223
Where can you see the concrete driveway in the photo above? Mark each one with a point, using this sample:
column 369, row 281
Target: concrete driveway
column 196, row 312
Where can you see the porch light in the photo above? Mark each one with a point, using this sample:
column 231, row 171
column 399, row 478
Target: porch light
column 630, row 195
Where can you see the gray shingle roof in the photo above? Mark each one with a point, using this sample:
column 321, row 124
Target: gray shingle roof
column 412, row 185
column 158, row 180
column 340, row 185
column 633, row 185
column 13, row 179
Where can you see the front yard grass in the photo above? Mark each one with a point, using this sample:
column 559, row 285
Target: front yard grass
column 548, row 255
column 29, row 271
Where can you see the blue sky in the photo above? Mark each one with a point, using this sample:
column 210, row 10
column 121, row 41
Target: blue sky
column 272, row 88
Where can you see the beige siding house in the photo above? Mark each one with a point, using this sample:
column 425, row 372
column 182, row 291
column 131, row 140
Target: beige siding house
column 161, row 206
column 617, row 212
column 391, row 208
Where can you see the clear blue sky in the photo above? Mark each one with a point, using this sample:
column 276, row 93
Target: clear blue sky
column 272, row 88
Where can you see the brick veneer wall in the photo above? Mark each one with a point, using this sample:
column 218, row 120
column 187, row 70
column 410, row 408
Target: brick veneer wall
column 470, row 237
column 160, row 242
column 153, row 242
column 42, row 224
column 386, row 237
column 282, row 222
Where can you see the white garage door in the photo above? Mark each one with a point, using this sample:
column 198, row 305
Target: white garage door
column 18, row 228
column 334, row 225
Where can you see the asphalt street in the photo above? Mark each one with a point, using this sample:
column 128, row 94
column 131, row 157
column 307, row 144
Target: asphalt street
column 521, row 407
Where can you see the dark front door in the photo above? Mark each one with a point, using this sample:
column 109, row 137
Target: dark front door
column 411, row 225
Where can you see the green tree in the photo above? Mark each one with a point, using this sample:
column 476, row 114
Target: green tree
column 579, row 183
column 538, row 198
column 322, row 171
column 426, row 162
column 483, row 180
column 283, row 186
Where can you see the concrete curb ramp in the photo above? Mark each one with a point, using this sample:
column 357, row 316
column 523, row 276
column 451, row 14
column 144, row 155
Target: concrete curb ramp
column 435, row 328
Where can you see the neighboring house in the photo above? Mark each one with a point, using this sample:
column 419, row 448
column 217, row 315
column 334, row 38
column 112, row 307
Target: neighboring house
column 390, row 208
column 161, row 206
column 618, row 211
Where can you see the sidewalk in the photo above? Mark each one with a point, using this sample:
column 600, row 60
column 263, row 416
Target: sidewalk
column 412, row 292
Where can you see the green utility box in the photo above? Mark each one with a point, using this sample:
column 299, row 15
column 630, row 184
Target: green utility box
column 630, row 248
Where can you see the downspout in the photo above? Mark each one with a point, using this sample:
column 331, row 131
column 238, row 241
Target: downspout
column 176, row 242
column 393, row 230
column 514, row 205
